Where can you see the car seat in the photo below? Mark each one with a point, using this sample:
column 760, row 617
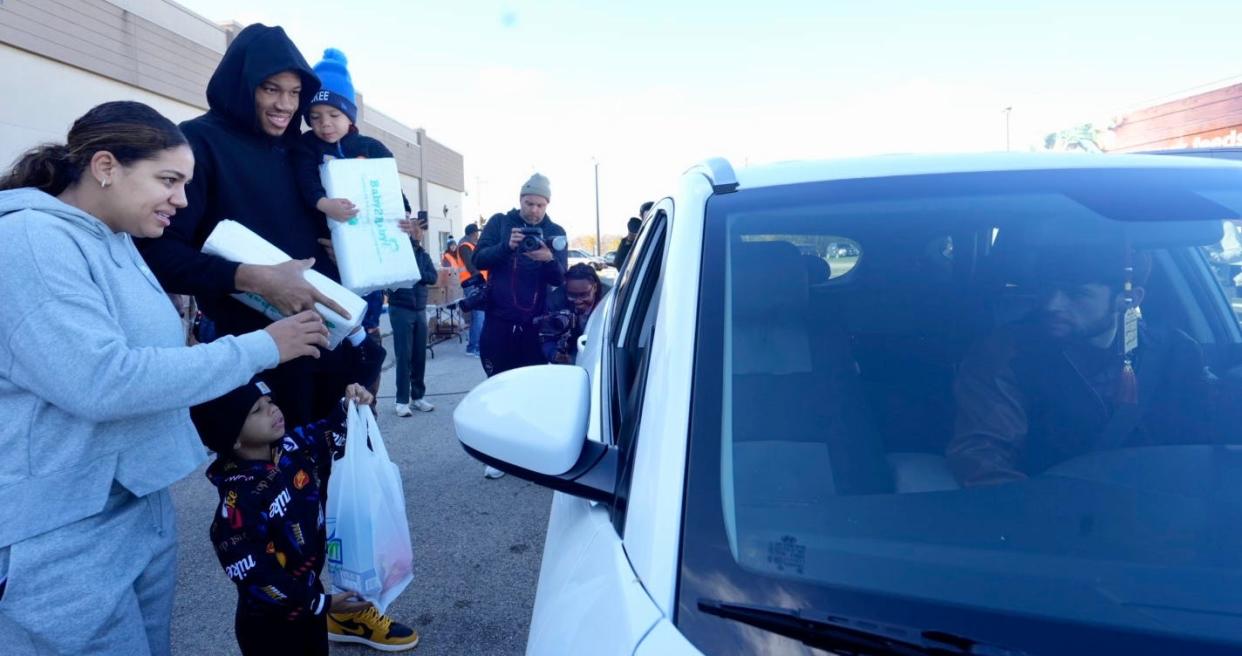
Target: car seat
column 796, row 402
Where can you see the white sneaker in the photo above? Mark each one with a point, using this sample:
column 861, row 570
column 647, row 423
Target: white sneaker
column 492, row 472
column 422, row 406
column 403, row 410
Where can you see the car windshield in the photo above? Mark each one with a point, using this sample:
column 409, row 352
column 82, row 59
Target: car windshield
column 1013, row 392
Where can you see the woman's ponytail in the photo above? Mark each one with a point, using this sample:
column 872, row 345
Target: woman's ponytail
column 130, row 131
column 46, row 168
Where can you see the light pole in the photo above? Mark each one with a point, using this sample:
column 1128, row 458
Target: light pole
column 1007, row 111
column 478, row 198
column 597, row 234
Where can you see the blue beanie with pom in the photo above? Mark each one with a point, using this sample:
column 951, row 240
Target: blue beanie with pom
column 338, row 88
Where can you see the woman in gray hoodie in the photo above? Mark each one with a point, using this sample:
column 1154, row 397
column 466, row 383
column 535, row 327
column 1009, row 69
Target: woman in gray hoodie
column 95, row 386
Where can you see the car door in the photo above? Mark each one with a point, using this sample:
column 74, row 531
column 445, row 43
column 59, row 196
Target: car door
column 586, row 574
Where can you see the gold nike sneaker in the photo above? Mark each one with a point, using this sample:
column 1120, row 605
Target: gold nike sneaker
column 371, row 628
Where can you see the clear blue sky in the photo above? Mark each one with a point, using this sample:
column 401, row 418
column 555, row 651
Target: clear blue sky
column 648, row 88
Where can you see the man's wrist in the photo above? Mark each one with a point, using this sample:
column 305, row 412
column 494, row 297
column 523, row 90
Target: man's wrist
column 249, row 278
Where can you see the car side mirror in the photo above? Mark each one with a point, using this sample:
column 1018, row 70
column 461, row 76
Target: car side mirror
column 532, row 422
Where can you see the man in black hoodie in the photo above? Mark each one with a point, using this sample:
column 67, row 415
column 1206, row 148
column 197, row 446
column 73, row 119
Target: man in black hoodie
column 243, row 171
column 519, row 280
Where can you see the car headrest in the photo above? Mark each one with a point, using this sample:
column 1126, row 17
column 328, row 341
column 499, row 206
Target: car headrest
column 818, row 271
column 769, row 279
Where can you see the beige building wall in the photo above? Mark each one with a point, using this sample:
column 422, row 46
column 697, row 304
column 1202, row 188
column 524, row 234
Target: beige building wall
column 44, row 97
column 59, row 58
column 444, row 213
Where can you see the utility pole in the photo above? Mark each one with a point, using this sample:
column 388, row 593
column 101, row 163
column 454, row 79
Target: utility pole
column 1008, row 111
column 597, row 233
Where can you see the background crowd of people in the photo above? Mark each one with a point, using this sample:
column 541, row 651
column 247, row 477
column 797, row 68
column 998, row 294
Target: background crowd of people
column 99, row 231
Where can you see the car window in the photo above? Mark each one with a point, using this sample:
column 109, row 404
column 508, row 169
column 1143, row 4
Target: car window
column 1225, row 258
column 1015, row 400
column 638, row 295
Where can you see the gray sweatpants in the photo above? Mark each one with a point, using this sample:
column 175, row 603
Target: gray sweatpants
column 102, row 585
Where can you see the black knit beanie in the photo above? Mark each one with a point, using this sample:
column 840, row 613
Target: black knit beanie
column 219, row 422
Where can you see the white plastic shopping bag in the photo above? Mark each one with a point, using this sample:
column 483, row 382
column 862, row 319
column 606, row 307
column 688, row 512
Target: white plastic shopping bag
column 234, row 241
column 369, row 550
column 371, row 251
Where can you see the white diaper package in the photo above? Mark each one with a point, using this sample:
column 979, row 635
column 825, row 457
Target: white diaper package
column 371, row 251
column 234, row 241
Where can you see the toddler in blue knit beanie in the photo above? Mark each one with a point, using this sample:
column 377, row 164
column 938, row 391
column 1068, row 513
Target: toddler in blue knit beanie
column 332, row 115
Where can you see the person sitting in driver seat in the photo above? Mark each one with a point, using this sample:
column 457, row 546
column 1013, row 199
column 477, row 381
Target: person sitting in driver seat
column 1080, row 374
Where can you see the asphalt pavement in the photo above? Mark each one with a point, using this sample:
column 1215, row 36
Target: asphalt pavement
column 477, row 542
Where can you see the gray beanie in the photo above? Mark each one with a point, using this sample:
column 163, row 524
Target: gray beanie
column 537, row 185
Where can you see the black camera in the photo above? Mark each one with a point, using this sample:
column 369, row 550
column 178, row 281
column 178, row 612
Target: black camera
column 532, row 239
column 560, row 326
column 555, row 324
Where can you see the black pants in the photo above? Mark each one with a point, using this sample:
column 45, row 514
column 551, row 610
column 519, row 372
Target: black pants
column 409, row 340
column 506, row 346
column 267, row 635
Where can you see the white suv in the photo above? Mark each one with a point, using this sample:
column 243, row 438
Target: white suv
column 779, row 440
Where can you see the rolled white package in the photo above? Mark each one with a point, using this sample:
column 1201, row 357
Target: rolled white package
column 234, row 241
column 371, row 251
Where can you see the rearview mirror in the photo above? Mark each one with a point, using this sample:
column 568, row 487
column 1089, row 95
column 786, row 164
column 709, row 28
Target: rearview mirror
column 532, row 422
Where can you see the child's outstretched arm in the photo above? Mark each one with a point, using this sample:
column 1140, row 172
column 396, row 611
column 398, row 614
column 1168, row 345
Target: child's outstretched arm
column 325, row 439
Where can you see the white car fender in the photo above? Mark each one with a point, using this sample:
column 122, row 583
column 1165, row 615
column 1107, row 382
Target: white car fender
column 665, row 640
column 588, row 600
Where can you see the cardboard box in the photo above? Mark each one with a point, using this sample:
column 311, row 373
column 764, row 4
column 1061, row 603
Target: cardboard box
column 436, row 296
column 453, row 291
column 443, row 276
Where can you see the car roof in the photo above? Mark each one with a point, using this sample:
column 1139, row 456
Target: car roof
column 1219, row 153
column 883, row 166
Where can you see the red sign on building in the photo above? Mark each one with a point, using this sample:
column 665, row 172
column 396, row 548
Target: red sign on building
column 1208, row 120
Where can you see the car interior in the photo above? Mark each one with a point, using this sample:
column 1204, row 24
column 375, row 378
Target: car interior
column 861, row 358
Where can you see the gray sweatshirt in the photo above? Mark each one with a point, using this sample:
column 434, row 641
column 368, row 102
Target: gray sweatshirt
column 95, row 377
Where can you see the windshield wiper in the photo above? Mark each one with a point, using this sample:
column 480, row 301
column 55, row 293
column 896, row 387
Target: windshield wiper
column 845, row 635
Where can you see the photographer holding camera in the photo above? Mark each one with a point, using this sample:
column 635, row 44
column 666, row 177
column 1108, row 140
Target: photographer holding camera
column 525, row 254
column 569, row 307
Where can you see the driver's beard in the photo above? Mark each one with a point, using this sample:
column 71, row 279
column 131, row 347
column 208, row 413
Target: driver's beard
column 1109, row 323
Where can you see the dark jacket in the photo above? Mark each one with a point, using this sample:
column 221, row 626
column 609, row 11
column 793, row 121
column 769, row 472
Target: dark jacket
column 518, row 286
column 415, row 298
column 268, row 532
column 623, row 250
column 240, row 173
column 1026, row 403
column 558, row 302
column 313, row 151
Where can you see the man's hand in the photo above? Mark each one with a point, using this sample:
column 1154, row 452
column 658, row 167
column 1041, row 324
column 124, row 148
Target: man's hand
column 544, row 254
column 411, row 228
column 285, row 286
column 327, row 247
column 562, row 358
column 515, row 238
column 358, row 394
column 339, row 209
column 299, row 335
column 347, row 602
